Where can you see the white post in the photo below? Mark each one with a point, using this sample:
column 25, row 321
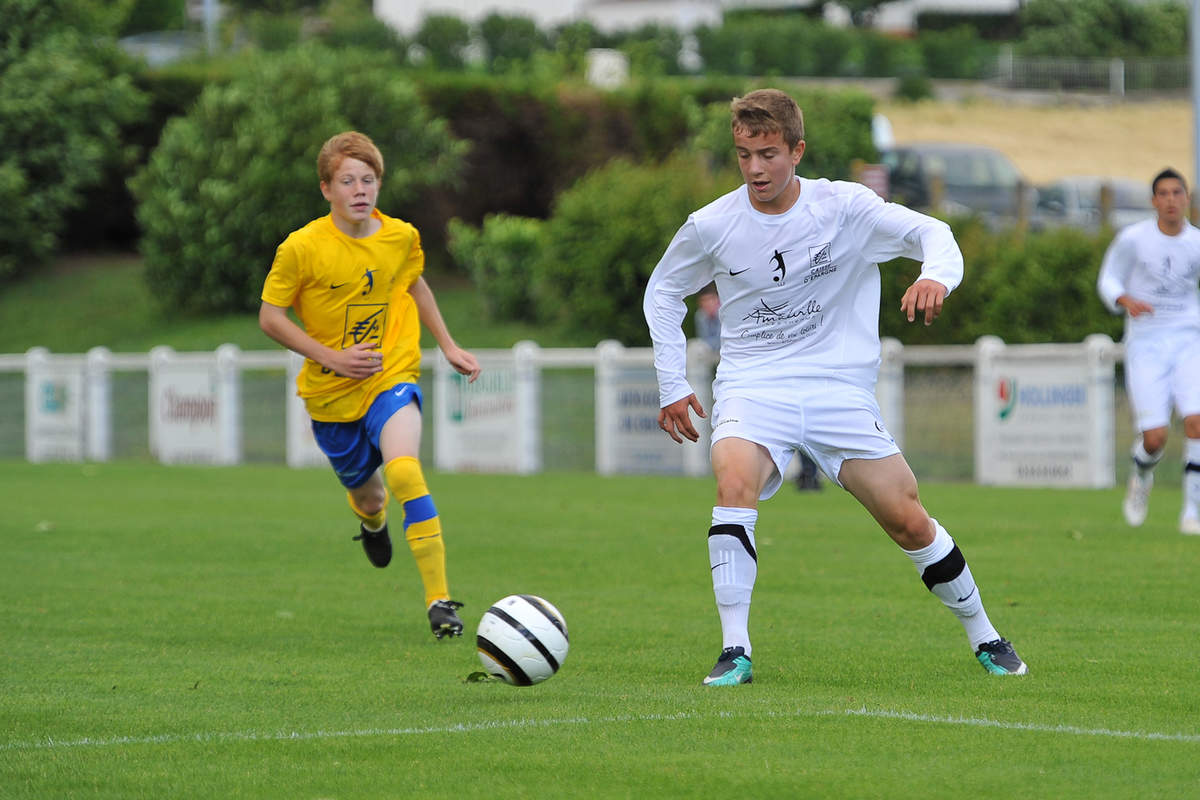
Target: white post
column 160, row 356
column 889, row 389
column 607, row 354
column 528, row 391
column 98, row 393
column 987, row 350
column 700, row 361
column 1101, row 361
column 1116, row 77
column 229, row 404
column 36, row 359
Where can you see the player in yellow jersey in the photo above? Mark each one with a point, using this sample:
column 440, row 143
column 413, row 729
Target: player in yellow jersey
column 354, row 280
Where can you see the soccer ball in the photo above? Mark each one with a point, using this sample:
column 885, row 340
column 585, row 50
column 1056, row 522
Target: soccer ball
column 522, row 639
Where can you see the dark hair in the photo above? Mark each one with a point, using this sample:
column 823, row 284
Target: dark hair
column 1166, row 175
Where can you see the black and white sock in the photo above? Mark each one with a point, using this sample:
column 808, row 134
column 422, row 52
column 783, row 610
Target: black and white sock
column 734, row 562
column 946, row 574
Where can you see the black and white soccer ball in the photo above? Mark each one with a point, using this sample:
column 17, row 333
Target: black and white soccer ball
column 522, row 639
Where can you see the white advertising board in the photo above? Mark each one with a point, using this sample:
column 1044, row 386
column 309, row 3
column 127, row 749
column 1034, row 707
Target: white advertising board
column 193, row 407
column 1044, row 414
column 55, row 407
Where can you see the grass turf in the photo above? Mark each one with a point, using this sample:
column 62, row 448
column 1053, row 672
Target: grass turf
column 193, row 632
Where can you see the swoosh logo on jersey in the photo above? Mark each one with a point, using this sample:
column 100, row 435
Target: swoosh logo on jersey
column 336, row 285
column 733, row 274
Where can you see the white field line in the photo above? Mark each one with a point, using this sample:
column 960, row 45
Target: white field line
column 519, row 724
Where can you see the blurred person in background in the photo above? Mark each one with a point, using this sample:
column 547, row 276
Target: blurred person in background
column 1151, row 274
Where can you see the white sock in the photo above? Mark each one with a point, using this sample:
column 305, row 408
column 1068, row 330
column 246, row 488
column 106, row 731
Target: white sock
column 1191, row 479
column 734, row 562
column 1143, row 462
column 946, row 574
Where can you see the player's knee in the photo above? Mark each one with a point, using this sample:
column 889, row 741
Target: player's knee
column 1191, row 426
column 736, row 491
column 1155, row 440
column 910, row 527
column 368, row 500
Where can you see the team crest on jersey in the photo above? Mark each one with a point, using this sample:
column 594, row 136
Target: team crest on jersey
column 365, row 322
column 820, row 262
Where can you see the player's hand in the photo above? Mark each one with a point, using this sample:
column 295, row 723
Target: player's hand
column 1133, row 306
column 923, row 297
column 357, row 361
column 676, row 421
column 463, row 362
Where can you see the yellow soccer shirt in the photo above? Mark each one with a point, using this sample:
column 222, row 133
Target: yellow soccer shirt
column 346, row 291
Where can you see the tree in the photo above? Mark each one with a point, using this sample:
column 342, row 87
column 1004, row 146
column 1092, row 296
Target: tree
column 233, row 177
column 64, row 97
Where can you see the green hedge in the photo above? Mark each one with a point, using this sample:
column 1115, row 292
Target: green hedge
column 1037, row 287
column 233, row 177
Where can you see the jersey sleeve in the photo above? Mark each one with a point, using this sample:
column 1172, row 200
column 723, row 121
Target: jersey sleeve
column 283, row 281
column 1118, row 263
column 414, row 262
column 683, row 270
column 893, row 230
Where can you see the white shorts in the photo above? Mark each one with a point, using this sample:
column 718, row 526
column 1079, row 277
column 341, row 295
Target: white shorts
column 1162, row 371
column 831, row 420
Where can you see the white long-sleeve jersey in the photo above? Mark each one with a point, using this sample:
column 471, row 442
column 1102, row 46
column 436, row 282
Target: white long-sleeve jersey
column 1164, row 271
column 799, row 290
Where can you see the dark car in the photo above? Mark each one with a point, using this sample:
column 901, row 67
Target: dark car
column 970, row 178
column 1075, row 201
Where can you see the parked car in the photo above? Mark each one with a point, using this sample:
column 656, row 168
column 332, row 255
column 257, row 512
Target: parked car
column 973, row 179
column 1075, row 202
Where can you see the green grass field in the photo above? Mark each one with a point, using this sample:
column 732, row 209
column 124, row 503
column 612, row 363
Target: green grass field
column 215, row 633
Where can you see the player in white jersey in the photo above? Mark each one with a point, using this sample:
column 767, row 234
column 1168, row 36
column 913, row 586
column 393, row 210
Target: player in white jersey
column 1151, row 273
column 795, row 263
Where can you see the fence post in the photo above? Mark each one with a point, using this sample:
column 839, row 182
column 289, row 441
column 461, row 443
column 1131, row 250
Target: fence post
column 98, row 393
column 889, row 389
column 607, row 354
column 229, row 404
column 987, row 349
column 700, row 360
column 527, row 375
column 1101, row 368
column 1116, row 77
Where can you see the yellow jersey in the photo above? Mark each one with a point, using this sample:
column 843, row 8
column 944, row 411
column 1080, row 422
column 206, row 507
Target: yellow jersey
column 347, row 291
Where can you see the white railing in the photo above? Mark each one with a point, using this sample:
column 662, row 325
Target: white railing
column 1015, row 414
column 1116, row 76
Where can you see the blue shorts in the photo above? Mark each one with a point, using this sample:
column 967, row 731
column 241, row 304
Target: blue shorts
column 353, row 447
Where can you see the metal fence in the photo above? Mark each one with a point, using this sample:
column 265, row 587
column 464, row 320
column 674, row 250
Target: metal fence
column 1114, row 76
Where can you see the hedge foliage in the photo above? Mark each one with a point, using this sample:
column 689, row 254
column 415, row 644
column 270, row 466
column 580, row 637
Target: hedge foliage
column 64, row 98
column 1036, row 287
column 588, row 265
column 234, row 176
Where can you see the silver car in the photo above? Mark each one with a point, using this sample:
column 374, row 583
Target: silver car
column 1075, row 202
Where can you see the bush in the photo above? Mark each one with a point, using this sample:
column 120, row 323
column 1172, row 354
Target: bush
column 500, row 259
column 64, row 99
column 605, row 237
column 228, row 181
column 1040, row 287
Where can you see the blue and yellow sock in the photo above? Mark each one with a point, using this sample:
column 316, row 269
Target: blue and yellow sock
column 422, row 527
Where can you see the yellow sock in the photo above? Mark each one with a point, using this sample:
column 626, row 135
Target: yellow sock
column 373, row 521
column 422, row 528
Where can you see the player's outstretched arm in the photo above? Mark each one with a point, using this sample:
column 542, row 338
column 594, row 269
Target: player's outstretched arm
column 357, row 361
column 431, row 317
column 676, row 420
column 923, row 297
